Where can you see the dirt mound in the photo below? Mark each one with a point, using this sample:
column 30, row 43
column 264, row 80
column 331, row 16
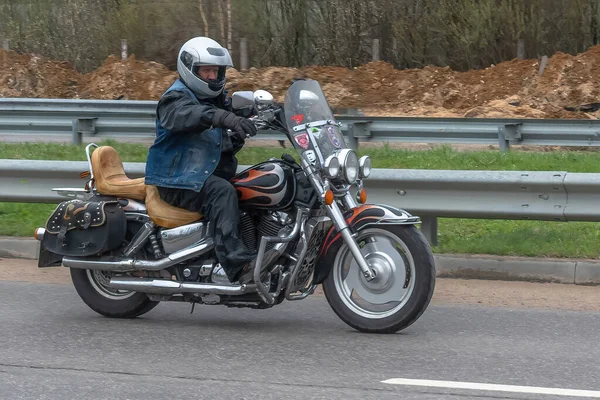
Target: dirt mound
column 509, row 89
column 277, row 79
column 127, row 80
column 379, row 89
column 33, row 76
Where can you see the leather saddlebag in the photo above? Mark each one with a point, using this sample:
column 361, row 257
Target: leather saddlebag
column 85, row 228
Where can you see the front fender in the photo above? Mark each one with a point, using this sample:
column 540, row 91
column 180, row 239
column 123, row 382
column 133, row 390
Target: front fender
column 358, row 218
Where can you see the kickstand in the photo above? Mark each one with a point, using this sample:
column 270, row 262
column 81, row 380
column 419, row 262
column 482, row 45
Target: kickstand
column 193, row 305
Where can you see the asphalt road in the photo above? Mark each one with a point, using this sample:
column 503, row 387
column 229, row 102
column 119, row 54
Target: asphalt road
column 53, row 347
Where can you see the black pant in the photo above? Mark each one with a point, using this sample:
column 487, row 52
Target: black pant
column 218, row 202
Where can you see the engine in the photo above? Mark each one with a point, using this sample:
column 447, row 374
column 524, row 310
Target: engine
column 265, row 224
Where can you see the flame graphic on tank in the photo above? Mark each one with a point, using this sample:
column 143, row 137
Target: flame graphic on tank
column 264, row 185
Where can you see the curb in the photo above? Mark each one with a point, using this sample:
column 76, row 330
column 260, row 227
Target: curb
column 19, row 247
column 554, row 270
column 464, row 266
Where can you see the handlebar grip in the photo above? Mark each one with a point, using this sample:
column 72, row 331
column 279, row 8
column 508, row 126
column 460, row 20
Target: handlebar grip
column 230, row 133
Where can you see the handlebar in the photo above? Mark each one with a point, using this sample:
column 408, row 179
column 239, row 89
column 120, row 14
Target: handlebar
column 258, row 122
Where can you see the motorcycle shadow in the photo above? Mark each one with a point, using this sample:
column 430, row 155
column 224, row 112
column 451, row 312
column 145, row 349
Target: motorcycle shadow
column 215, row 318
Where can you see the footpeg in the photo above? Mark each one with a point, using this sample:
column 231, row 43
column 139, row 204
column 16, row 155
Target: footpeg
column 207, row 267
column 219, row 276
column 277, row 278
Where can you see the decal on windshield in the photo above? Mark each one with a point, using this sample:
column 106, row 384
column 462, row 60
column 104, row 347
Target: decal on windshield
column 311, row 156
column 298, row 118
column 302, row 140
column 333, row 136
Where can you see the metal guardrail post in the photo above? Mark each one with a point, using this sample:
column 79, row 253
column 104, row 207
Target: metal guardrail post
column 509, row 132
column 357, row 130
column 429, row 227
column 76, row 135
column 83, row 126
column 352, row 140
column 502, row 141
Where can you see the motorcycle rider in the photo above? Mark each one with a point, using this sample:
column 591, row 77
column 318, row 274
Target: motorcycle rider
column 193, row 158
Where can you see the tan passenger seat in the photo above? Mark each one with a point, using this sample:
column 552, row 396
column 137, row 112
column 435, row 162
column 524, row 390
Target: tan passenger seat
column 110, row 178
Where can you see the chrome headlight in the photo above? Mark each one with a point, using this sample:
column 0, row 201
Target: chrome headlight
column 365, row 166
column 350, row 167
column 332, row 167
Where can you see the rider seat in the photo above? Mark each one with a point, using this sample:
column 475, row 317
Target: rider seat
column 165, row 215
column 110, row 180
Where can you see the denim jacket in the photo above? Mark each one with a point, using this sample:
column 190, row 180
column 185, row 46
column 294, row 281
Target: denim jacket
column 183, row 160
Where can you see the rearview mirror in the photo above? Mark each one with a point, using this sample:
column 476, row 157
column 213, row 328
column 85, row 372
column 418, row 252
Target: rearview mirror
column 242, row 99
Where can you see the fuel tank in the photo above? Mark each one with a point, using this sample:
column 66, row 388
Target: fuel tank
column 270, row 185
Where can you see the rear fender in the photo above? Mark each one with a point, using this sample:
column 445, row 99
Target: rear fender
column 358, row 218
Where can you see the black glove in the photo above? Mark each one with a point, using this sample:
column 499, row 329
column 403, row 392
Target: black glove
column 242, row 127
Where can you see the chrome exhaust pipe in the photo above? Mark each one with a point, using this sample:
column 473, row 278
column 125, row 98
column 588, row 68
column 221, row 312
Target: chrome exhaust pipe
column 163, row 286
column 144, row 265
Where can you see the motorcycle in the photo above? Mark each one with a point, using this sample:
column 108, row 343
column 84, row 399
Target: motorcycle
column 128, row 250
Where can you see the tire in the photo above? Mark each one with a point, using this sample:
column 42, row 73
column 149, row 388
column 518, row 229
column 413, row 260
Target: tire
column 406, row 276
column 109, row 302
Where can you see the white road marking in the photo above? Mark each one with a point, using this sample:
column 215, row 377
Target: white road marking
column 492, row 387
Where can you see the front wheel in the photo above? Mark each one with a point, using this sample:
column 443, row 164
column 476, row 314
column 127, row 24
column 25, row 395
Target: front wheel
column 402, row 289
column 92, row 287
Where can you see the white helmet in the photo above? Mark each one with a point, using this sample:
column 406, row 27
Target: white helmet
column 203, row 51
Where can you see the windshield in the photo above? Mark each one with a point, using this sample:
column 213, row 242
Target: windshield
column 305, row 103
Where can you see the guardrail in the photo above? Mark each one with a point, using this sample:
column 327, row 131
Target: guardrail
column 127, row 118
column 545, row 195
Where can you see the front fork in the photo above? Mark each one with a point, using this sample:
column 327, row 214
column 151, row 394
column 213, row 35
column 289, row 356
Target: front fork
column 337, row 217
column 340, row 224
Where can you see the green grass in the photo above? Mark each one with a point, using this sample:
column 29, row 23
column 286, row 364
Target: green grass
column 127, row 151
column 519, row 238
column 444, row 157
column 21, row 219
column 498, row 237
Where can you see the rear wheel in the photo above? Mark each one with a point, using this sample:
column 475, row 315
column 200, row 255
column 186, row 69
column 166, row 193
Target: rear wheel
column 92, row 287
column 402, row 289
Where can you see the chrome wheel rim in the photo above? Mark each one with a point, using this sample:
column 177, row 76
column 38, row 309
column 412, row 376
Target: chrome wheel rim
column 394, row 283
column 100, row 281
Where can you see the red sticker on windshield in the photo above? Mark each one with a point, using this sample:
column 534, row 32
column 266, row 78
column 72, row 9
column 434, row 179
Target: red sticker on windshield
column 302, row 140
column 298, row 118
